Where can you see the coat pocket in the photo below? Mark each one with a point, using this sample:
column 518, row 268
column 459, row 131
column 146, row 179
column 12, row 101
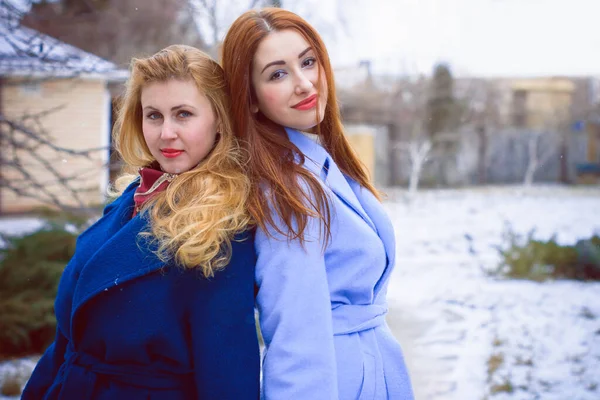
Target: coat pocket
column 367, row 391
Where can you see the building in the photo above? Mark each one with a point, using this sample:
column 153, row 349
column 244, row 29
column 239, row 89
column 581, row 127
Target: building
column 504, row 112
column 542, row 103
column 53, row 97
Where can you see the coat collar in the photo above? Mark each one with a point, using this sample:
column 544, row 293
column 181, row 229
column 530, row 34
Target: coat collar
column 111, row 253
column 315, row 154
column 319, row 162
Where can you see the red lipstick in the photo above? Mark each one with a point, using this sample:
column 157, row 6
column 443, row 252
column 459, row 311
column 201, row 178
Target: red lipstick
column 307, row 104
column 171, row 153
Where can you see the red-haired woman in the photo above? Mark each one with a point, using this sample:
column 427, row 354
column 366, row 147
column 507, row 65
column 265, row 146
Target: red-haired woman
column 325, row 245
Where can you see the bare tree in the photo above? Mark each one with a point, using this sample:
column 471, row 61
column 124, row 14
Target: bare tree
column 116, row 30
column 541, row 145
column 481, row 100
column 418, row 144
column 400, row 105
column 30, row 149
column 215, row 16
column 546, row 142
column 418, row 154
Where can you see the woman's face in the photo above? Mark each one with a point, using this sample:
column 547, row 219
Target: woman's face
column 179, row 124
column 285, row 76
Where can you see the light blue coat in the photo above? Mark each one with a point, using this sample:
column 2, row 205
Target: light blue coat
column 322, row 314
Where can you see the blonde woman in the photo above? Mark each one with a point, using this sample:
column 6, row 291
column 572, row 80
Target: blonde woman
column 157, row 302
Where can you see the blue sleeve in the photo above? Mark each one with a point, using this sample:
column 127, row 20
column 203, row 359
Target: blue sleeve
column 44, row 374
column 295, row 317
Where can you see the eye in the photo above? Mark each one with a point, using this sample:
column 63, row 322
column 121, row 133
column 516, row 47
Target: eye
column 309, row 62
column 277, row 75
column 184, row 114
column 153, row 116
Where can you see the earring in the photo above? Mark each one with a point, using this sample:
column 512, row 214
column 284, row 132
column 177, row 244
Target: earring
column 254, row 109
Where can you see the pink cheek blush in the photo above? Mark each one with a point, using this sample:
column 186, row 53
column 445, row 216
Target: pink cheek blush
column 271, row 97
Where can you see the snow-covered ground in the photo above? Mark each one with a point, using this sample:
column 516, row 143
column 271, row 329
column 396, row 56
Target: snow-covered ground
column 469, row 336
column 18, row 226
column 466, row 334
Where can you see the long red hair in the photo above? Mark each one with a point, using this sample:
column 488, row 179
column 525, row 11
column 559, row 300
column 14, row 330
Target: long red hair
column 278, row 179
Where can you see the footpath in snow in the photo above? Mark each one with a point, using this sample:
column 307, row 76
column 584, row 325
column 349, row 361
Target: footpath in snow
column 469, row 336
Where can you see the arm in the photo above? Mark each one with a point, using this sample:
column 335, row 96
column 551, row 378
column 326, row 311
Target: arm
column 44, row 374
column 295, row 317
column 48, row 366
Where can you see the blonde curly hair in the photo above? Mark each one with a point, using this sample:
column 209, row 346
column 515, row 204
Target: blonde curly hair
column 195, row 219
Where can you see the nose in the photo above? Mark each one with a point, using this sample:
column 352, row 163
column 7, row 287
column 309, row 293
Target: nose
column 168, row 131
column 303, row 84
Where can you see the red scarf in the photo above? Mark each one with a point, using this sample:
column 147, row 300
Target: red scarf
column 152, row 182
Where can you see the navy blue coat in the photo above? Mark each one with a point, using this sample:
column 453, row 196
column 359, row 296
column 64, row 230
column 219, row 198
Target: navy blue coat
column 131, row 327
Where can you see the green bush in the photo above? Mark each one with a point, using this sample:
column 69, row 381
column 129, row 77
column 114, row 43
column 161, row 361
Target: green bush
column 11, row 386
column 30, row 269
column 539, row 260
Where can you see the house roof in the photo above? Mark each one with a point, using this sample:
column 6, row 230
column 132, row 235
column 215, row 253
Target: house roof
column 25, row 52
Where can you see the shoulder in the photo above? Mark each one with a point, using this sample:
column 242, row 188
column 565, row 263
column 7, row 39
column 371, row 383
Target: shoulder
column 127, row 194
column 236, row 277
column 243, row 252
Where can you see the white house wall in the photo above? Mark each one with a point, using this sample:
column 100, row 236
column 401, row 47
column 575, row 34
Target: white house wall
column 79, row 121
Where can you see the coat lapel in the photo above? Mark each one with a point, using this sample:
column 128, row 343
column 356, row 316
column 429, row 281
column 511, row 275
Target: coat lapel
column 383, row 224
column 110, row 253
column 341, row 187
column 359, row 199
column 320, row 163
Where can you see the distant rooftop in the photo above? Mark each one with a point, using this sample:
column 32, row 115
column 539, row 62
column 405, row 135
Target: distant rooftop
column 26, row 52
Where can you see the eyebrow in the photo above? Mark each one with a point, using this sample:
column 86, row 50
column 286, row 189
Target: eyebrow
column 281, row 62
column 172, row 108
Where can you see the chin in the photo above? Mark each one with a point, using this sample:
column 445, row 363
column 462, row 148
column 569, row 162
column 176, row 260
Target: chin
column 172, row 169
column 305, row 125
column 305, row 128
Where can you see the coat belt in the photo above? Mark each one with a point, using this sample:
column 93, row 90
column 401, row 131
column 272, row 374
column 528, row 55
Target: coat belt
column 352, row 318
column 81, row 371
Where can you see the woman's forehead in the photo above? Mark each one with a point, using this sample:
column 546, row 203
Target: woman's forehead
column 280, row 45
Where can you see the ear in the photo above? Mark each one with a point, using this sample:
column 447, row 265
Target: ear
column 254, row 108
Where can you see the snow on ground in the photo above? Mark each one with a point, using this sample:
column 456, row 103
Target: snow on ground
column 469, row 336
column 466, row 335
column 18, row 226
column 16, row 371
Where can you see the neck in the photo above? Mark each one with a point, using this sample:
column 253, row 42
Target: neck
column 312, row 136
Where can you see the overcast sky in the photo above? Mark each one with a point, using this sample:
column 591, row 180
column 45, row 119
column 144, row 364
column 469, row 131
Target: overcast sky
column 478, row 37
